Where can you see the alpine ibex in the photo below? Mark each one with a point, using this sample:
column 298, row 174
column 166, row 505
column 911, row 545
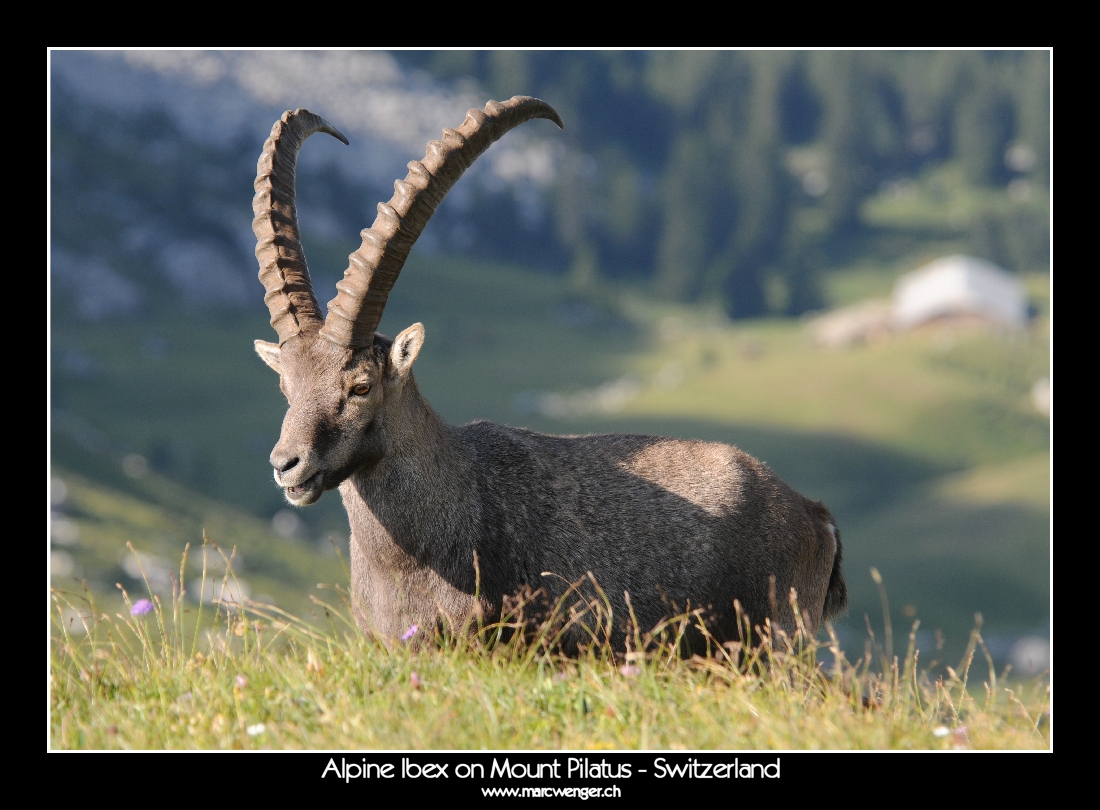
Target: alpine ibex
column 448, row 522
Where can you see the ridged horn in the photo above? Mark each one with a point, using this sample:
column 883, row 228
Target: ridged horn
column 283, row 268
column 354, row 314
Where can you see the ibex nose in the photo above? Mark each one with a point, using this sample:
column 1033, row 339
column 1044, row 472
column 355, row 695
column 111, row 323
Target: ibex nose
column 282, row 461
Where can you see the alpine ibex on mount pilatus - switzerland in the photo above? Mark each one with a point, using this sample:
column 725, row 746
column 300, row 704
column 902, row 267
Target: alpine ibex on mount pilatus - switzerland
column 448, row 523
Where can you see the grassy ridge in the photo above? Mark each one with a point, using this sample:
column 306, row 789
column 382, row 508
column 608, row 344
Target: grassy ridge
column 265, row 680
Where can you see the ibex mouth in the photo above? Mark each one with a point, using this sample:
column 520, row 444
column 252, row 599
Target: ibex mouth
column 306, row 492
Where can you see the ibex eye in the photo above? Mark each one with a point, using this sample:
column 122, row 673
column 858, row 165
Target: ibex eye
column 361, row 390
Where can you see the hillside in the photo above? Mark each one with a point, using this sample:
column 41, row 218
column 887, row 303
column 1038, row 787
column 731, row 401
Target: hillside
column 925, row 447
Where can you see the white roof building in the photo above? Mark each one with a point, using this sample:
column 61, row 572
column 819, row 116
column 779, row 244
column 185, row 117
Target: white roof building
column 957, row 286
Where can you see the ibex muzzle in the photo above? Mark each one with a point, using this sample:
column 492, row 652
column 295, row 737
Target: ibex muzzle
column 448, row 522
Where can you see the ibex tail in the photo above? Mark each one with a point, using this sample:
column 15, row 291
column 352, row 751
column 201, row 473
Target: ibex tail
column 836, row 597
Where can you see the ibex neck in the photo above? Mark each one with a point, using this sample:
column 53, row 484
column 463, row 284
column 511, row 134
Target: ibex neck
column 413, row 427
column 414, row 521
column 413, row 492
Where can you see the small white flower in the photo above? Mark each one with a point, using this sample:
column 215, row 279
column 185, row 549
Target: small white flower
column 256, row 729
column 942, row 731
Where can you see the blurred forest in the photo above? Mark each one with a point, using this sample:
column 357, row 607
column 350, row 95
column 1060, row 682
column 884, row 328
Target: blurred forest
column 743, row 177
column 741, row 174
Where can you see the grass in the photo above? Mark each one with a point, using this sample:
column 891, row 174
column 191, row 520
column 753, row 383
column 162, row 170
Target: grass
column 253, row 676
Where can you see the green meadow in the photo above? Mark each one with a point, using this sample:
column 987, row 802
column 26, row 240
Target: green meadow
column 259, row 678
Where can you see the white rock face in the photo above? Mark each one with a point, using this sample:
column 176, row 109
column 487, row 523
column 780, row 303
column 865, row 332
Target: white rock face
column 959, row 286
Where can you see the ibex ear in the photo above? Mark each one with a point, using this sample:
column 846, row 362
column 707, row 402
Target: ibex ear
column 406, row 347
column 269, row 353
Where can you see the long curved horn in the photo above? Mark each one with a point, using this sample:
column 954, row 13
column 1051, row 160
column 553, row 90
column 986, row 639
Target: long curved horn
column 283, row 269
column 354, row 314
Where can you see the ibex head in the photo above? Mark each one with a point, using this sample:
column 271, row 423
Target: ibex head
column 344, row 383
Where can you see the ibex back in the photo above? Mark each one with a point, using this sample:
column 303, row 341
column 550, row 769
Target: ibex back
column 449, row 522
